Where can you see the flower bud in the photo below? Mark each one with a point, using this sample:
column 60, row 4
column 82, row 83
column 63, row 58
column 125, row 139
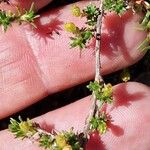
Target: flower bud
column 24, row 126
column 125, row 75
column 107, row 90
column 71, row 27
column 61, row 141
column 75, row 11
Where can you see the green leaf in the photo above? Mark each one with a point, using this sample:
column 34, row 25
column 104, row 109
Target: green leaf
column 94, row 86
column 92, row 13
column 118, row 6
column 81, row 38
column 146, row 21
column 77, row 42
column 46, row 141
column 144, row 46
column 87, row 35
column 28, row 16
column 74, row 140
column 6, row 19
column 99, row 123
column 102, row 93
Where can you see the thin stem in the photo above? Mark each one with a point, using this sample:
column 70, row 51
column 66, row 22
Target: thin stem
column 37, row 135
column 98, row 76
column 41, row 131
column 94, row 110
column 90, row 115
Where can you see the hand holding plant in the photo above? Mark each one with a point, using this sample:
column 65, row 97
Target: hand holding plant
column 42, row 72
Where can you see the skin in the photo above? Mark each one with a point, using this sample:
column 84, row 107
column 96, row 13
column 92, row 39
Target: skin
column 34, row 64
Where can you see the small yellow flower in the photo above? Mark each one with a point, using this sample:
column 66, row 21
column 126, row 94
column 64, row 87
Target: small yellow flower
column 61, row 141
column 24, row 126
column 102, row 128
column 125, row 75
column 27, row 127
column 71, row 27
column 75, row 11
column 107, row 90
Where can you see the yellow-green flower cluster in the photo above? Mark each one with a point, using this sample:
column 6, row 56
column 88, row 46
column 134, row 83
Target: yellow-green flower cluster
column 61, row 141
column 71, row 27
column 76, row 11
column 22, row 128
column 103, row 93
column 99, row 123
column 81, row 36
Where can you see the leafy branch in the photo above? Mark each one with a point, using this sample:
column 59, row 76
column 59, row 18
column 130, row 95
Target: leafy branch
column 66, row 140
column 7, row 18
column 118, row 6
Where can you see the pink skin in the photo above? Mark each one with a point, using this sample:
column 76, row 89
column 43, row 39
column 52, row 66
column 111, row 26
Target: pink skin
column 24, row 4
column 34, row 64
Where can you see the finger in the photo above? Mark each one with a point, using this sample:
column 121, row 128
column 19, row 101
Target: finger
column 24, row 4
column 43, row 63
column 129, row 127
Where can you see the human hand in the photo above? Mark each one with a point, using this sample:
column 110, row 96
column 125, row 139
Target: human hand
column 43, row 64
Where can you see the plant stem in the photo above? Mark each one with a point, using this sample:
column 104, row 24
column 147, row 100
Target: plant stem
column 98, row 76
column 37, row 135
column 94, row 110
